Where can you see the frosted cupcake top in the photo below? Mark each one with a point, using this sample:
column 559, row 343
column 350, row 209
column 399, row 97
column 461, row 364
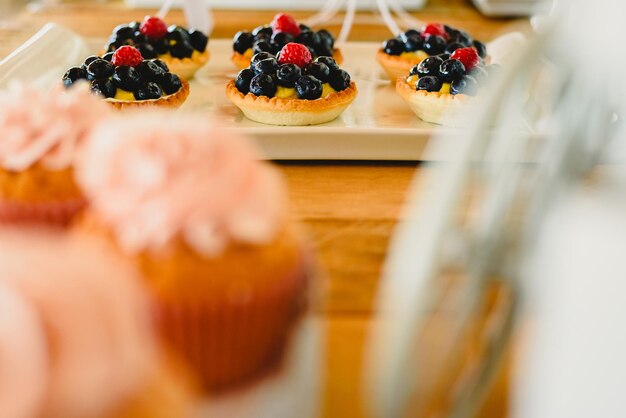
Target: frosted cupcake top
column 153, row 177
column 76, row 341
column 45, row 126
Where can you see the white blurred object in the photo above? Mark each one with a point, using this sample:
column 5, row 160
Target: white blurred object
column 269, row 5
column 197, row 13
column 510, row 7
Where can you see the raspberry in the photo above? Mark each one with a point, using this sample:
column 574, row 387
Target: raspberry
column 153, row 27
column 284, row 23
column 434, row 29
column 126, row 55
column 294, row 53
column 468, row 56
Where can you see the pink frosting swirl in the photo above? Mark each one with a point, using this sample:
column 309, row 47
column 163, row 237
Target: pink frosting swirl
column 153, row 177
column 46, row 126
column 75, row 342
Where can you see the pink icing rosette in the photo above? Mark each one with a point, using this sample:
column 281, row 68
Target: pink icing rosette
column 75, row 341
column 152, row 177
column 46, row 126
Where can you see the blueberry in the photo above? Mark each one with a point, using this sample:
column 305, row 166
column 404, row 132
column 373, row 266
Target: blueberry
column 148, row 91
column 453, row 46
column 99, row 68
column 259, row 57
column 181, row 50
column 323, row 51
column 262, row 37
column 74, row 74
column 462, row 37
column 112, row 46
column 88, row 61
column 126, row 78
column 414, row 70
column 443, row 56
column 178, row 34
column 149, row 71
column 480, row 48
column 312, row 51
column 262, row 46
column 242, row 41
column 318, row 70
column 147, row 51
column 198, row 40
column 393, row 47
column 138, row 38
column 411, row 32
column 266, row 66
column 124, row 31
column 329, row 61
column 160, row 45
column 326, row 38
column 465, row 85
column 108, row 56
column 339, row 79
column 449, row 29
column 308, row 87
column 103, row 87
column 263, row 85
column 479, row 74
column 242, row 82
column 170, row 83
column 281, row 39
column 134, row 25
column 304, row 28
column 428, row 83
column 429, row 66
column 287, row 74
column 451, row 70
column 266, row 29
column 162, row 65
column 310, row 39
column 434, row 45
column 412, row 43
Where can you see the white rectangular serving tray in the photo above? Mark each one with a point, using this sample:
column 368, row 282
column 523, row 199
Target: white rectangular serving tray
column 377, row 126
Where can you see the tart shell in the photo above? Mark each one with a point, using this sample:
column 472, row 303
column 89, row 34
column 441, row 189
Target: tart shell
column 394, row 65
column 186, row 67
column 291, row 112
column 433, row 107
column 242, row 61
column 172, row 101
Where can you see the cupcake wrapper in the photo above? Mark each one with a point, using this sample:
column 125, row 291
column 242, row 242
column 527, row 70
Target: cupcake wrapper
column 49, row 213
column 229, row 341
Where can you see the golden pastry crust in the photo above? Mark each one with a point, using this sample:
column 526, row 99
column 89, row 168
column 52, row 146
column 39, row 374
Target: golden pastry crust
column 433, row 107
column 394, row 65
column 292, row 112
column 172, row 101
column 38, row 184
column 242, row 61
column 186, row 67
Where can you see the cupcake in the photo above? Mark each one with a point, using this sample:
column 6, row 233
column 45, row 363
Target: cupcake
column 125, row 80
column 184, row 51
column 208, row 226
column 398, row 55
column 434, row 88
column 272, row 38
column 292, row 88
column 41, row 132
column 78, row 342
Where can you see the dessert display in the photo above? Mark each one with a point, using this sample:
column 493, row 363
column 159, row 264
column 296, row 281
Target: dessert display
column 77, row 341
column 435, row 86
column 184, row 51
column 41, row 133
column 125, row 79
column 398, row 55
column 207, row 224
column 291, row 88
column 272, row 38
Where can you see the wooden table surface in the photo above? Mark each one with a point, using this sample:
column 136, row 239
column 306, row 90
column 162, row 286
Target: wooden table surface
column 350, row 208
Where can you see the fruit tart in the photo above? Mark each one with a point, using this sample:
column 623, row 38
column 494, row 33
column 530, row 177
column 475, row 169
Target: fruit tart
column 283, row 30
column 292, row 88
column 184, row 51
column 435, row 86
column 126, row 80
column 398, row 55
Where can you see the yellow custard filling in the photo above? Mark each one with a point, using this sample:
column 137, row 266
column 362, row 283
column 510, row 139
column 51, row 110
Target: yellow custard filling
column 412, row 80
column 415, row 55
column 248, row 53
column 194, row 56
column 290, row 93
column 124, row 95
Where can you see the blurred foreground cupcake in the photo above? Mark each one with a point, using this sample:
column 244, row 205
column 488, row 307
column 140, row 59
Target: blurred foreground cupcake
column 77, row 342
column 41, row 132
column 208, row 225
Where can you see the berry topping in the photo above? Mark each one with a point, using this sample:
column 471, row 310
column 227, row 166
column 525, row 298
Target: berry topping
column 153, row 27
column 444, row 57
column 465, row 85
column 412, row 42
column 308, row 87
column 98, row 69
column 429, row 66
column 260, row 56
column 318, row 70
column 181, row 50
column 280, row 39
column 434, row 45
column 150, row 71
column 124, row 31
column 294, row 53
column 262, row 46
column 329, row 61
column 266, row 66
column 434, row 29
column 170, row 83
column 103, row 87
column 310, row 39
column 74, row 74
column 428, row 83
column 451, row 70
column 263, row 85
column 126, row 78
column 326, row 39
column 108, row 56
column 339, row 79
column 266, row 29
column 242, row 82
column 453, row 46
column 393, row 47
column 284, row 23
column 127, row 55
column 468, row 56
column 162, row 65
column 88, row 61
column 148, row 91
column 199, row 40
column 147, row 51
column 480, row 48
column 287, row 75
column 242, row 41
